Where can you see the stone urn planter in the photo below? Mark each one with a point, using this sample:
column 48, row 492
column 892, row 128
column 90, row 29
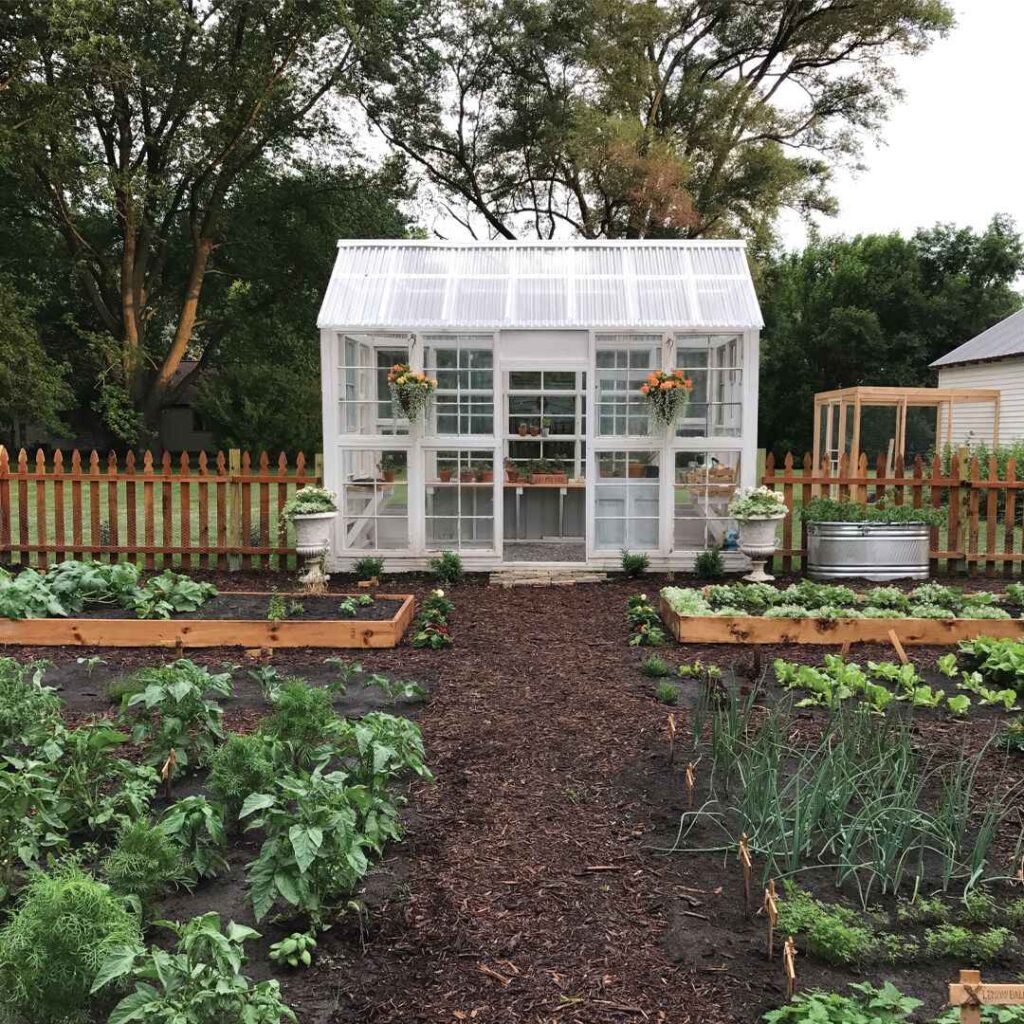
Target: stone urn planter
column 313, row 533
column 758, row 542
column 758, row 512
column 312, row 511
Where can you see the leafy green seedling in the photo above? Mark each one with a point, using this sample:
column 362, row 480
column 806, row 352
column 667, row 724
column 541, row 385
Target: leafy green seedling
column 296, row 949
column 959, row 705
column 947, row 665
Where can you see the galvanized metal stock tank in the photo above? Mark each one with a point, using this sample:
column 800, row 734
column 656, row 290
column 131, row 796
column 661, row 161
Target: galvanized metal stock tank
column 874, row 551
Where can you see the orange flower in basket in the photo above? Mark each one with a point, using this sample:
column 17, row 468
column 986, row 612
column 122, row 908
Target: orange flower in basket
column 678, row 373
column 665, row 385
column 652, row 378
column 644, row 389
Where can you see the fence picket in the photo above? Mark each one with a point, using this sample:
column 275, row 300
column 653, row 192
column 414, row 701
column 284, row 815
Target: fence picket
column 114, row 537
column 5, row 501
column 95, row 531
column 1010, row 516
column 58, row 504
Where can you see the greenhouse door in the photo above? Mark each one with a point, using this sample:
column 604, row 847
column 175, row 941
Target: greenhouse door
column 545, row 453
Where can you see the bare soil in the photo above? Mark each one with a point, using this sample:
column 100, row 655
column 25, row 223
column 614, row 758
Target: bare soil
column 531, row 886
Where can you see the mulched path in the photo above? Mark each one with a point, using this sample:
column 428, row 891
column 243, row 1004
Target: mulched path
column 528, row 889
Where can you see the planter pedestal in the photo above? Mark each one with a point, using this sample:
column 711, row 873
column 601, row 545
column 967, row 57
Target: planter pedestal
column 757, row 542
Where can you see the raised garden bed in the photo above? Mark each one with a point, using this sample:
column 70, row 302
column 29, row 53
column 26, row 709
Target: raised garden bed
column 233, row 619
column 751, row 629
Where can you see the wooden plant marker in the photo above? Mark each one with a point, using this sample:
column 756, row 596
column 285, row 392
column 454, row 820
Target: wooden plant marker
column 671, row 737
column 747, row 862
column 691, row 784
column 771, row 911
column 971, row 994
column 898, row 647
column 167, row 772
column 789, row 964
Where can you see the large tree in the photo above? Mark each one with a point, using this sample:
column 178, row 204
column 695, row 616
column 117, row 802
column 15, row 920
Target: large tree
column 875, row 309
column 134, row 121
column 635, row 119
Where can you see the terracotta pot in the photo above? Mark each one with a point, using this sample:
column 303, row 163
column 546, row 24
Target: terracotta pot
column 512, row 476
column 444, row 475
column 523, row 430
column 637, row 469
column 486, row 476
column 534, row 431
column 389, row 476
column 467, row 476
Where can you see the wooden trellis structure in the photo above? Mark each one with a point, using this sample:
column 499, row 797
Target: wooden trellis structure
column 839, row 413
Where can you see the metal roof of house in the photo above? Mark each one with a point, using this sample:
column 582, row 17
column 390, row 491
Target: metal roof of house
column 414, row 284
column 1005, row 338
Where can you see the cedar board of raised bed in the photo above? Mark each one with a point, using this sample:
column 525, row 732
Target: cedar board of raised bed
column 752, row 629
column 350, row 633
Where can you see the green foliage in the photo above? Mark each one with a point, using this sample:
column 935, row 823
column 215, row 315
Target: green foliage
column 144, row 861
column 314, row 854
column 832, row 933
column 646, row 627
column 196, row 827
column 278, row 608
column 431, row 628
column 369, row 568
column 51, row 948
column 29, row 711
column 69, row 587
column 828, row 510
column 303, row 720
column 309, row 500
column 395, row 689
column 294, row 950
column 634, row 563
column 708, row 565
column 963, row 944
column 447, row 568
column 886, row 302
column 242, row 765
column 667, row 693
column 1012, row 737
column 1000, row 662
column 201, row 982
column 869, row 1005
column 173, row 713
column 752, row 598
column 655, row 667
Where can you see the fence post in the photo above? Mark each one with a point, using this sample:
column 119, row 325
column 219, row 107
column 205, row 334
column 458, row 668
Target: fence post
column 234, row 524
column 5, row 501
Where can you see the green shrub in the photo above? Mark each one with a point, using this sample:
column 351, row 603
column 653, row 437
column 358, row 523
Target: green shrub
column 827, row 510
column 196, row 827
column 369, row 568
column 447, row 568
column 53, row 945
column 144, row 862
column 173, row 712
column 667, row 693
column 303, row 720
column 645, row 623
column 634, row 565
column 29, row 711
column 708, row 565
column 201, row 982
column 242, row 765
column 655, row 667
column 979, row 907
column 831, row 932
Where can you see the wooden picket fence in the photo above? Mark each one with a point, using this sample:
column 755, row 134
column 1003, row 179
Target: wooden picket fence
column 984, row 526
column 219, row 512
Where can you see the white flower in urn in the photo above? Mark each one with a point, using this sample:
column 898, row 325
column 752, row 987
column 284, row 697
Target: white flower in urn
column 757, row 511
column 758, row 503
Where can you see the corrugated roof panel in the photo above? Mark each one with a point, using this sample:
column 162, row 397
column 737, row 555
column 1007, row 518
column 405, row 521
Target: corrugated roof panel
column 411, row 284
column 1005, row 338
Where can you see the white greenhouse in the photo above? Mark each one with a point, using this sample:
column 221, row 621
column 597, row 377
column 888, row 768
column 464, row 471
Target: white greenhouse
column 537, row 446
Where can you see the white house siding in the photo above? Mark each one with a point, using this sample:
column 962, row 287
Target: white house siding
column 973, row 423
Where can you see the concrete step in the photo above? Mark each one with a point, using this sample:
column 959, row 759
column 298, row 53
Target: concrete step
column 545, row 578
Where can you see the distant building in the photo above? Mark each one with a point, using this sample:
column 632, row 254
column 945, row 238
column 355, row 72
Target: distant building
column 994, row 359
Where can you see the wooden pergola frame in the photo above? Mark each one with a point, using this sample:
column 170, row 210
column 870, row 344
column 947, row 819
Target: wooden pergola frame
column 848, row 400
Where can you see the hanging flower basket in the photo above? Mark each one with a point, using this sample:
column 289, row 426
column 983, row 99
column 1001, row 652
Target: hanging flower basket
column 411, row 390
column 667, row 393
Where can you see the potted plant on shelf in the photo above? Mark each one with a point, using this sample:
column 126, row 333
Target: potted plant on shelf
column 511, row 472
column 485, row 476
column 388, row 467
column 879, row 542
column 758, row 511
column 467, row 475
column 638, row 463
column 445, row 475
column 524, row 430
column 411, row 390
column 312, row 510
column 548, row 471
column 545, row 426
column 666, row 393
column 535, row 430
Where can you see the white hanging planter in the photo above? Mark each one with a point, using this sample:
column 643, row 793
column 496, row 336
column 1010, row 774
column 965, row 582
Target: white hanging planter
column 758, row 543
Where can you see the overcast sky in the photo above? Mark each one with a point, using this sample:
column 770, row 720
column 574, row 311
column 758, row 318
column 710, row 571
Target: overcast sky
column 953, row 150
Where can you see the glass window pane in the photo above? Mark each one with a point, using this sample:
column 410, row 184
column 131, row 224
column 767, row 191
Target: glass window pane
column 374, row 500
column 623, row 362
column 364, row 397
column 705, row 483
column 464, row 368
column 459, row 499
column 627, row 500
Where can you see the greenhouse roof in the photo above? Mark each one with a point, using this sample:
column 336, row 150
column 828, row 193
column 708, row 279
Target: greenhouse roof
column 415, row 284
